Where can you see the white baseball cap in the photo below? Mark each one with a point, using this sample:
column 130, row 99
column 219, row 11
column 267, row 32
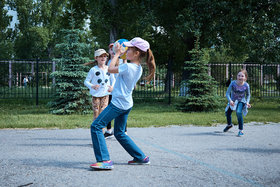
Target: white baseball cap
column 100, row 52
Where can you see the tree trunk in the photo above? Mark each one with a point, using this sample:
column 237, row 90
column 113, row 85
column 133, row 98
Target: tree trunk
column 113, row 30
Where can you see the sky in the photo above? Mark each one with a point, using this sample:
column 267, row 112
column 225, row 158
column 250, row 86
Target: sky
column 15, row 20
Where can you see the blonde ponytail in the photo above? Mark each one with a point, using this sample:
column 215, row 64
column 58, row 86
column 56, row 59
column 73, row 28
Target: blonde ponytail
column 91, row 63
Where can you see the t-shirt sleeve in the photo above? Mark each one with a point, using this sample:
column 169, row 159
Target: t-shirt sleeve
column 229, row 91
column 248, row 94
column 123, row 68
column 89, row 77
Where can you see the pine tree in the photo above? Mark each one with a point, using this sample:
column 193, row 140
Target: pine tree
column 201, row 87
column 71, row 95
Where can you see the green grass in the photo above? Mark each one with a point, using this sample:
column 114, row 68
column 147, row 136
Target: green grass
column 24, row 114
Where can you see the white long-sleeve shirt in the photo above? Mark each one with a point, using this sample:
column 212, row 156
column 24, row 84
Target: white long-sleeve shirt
column 101, row 77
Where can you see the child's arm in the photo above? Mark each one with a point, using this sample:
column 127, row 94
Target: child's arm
column 228, row 94
column 248, row 94
column 89, row 77
column 112, row 67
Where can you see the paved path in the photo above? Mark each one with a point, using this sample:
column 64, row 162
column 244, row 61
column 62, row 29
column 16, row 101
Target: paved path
column 180, row 156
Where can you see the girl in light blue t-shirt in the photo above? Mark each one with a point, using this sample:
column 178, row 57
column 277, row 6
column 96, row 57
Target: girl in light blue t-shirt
column 122, row 102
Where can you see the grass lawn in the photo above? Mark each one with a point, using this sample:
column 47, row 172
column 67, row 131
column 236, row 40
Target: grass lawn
column 24, row 114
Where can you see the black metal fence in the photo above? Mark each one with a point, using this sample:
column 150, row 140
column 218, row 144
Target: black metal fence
column 26, row 79
column 263, row 79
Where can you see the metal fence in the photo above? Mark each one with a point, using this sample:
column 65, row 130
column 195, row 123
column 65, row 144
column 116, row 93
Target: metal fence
column 15, row 73
column 263, row 79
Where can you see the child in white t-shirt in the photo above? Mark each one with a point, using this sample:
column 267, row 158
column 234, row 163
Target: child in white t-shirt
column 100, row 83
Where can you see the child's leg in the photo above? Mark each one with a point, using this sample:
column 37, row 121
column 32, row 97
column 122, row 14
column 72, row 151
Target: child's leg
column 95, row 107
column 228, row 114
column 239, row 109
column 103, row 103
column 98, row 140
column 109, row 125
column 126, row 141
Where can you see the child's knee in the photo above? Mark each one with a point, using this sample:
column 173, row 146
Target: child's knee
column 95, row 126
column 119, row 135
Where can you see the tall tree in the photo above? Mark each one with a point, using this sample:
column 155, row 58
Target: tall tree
column 244, row 27
column 115, row 19
column 202, row 94
column 44, row 19
column 30, row 33
column 6, row 45
column 71, row 94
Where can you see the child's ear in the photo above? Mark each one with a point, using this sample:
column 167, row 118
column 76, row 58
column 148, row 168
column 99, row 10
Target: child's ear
column 137, row 53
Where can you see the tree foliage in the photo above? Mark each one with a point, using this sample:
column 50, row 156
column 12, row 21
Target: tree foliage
column 6, row 33
column 244, row 28
column 115, row 19
column 202, row 87
column 71, row 95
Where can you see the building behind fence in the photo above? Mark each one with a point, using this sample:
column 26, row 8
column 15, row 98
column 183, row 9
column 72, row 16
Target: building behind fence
column 263, row 79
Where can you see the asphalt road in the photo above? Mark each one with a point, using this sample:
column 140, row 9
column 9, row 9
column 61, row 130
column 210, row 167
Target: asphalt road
column 180, row 156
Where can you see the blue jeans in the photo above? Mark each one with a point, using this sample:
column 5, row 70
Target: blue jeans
column 239, row 109
column 99, row 144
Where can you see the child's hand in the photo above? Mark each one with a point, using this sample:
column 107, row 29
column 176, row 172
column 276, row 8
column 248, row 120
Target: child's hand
column 231, row 103
column 110, row 89
column 248, row 105
column 118, row 49
column 95, row 87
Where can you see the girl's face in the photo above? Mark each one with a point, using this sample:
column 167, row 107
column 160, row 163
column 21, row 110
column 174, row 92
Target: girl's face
column 132, row 54
column 101, row 60
column 241, row 77
column 111, row 52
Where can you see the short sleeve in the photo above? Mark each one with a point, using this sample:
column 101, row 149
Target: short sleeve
column 123, row 68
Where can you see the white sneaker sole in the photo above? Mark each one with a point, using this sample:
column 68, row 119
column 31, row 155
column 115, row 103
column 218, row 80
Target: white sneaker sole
column 138, row 163
column 103, row 168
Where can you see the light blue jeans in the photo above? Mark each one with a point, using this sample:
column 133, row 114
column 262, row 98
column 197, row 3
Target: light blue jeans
column 98, row 141
column 239, row 109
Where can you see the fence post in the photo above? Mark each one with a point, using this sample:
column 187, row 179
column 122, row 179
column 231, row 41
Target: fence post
column 261, row 75
column 10, row 74
column 169, row 78
column 53, row 70
column 37, row 81
column 209, row 69
column 227, row 77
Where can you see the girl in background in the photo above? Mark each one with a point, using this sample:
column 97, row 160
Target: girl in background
column 238, row 96
column 100, row 83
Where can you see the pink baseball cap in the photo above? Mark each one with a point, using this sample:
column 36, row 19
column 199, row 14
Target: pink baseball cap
column 138, row 42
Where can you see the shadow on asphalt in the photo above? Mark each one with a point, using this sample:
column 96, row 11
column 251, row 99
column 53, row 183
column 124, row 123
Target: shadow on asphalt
column 215, row 133
column 253, row 150
column 53, row 163
column 56, row 145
